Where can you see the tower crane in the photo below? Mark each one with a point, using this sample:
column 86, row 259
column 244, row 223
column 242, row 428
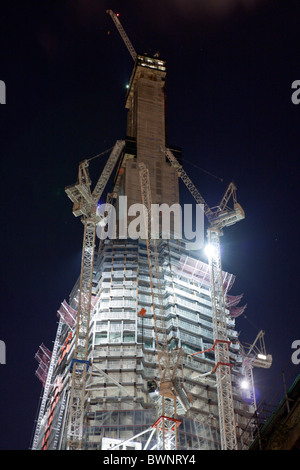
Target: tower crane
column 254, row 355
column 85, row 205
column 218, row 219
column 123, row 34
column 173, row 399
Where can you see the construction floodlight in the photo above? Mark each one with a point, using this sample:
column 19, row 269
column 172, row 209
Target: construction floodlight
column 210, row 251
column 244, row 384
column 262, row 356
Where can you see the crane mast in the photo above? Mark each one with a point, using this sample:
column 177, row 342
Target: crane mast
column 221, row 346
column 80, row 363
column 172, row 396
column 218, row 218
column 85, row 205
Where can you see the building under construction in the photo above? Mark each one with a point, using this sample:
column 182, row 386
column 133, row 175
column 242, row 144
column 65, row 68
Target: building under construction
column 146, row 354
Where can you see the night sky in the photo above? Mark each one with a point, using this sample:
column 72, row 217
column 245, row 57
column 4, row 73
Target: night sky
column 230, row 67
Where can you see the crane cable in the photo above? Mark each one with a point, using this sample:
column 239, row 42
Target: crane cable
column 98, row 155
column 204, row 171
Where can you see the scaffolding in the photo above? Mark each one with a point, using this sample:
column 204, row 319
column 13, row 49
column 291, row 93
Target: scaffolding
column 122, row 347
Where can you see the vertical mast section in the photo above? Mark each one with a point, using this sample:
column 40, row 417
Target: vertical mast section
column 80, row 362
column 221, row 346
column 218, row 218
column 161, row 341
column 85, row 204
column 173, row 399
column 223, row 217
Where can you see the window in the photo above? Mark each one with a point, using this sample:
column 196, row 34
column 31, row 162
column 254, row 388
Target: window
column 189, row 349
column 128, row 337
column 115, row 337
column 101, row 338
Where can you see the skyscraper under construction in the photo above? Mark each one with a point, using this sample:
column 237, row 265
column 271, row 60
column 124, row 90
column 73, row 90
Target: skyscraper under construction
column 146, row 354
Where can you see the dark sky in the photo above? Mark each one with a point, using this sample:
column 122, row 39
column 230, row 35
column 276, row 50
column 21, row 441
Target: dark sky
column 231, row 64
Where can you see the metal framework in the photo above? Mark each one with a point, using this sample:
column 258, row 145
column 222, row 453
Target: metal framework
column 123, row 34
column 172, row 396
column 189, row 184
column 222, row 359
column 47, row 385
column 255, row 355
column 85, row 204
column 219, row 218
column 80, row 363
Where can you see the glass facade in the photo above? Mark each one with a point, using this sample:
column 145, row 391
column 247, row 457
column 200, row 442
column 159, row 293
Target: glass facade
column 123, row 352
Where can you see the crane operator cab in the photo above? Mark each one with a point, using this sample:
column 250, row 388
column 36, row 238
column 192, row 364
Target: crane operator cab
column 153, row 389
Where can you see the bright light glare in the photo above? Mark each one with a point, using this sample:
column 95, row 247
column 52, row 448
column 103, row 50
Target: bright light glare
column 262, row 356
column 244, row 384
column 210, row 251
